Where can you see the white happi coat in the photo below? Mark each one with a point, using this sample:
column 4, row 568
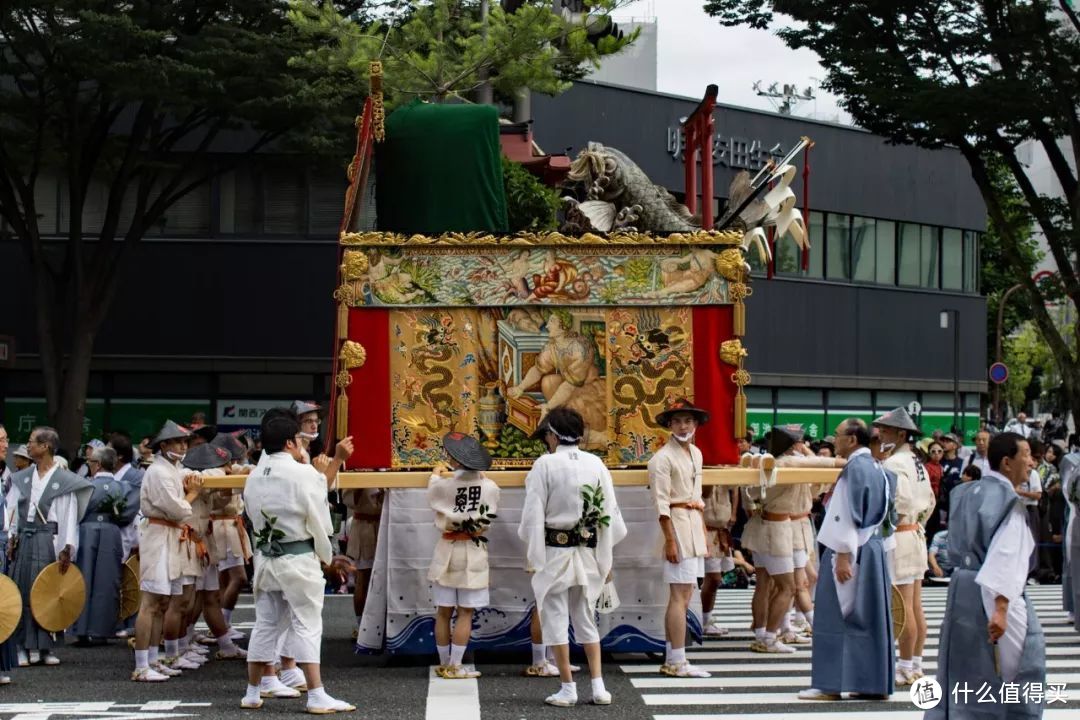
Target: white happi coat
column 460, row 563
column 915, row 502
column 553, row 499
column 295, row 494
column 675, row 477
column 162, row 496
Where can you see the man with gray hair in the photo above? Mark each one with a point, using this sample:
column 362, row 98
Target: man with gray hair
column 49, row 501
column 101, row 547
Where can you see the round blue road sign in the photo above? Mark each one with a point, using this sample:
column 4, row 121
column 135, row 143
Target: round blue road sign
column 999, row 373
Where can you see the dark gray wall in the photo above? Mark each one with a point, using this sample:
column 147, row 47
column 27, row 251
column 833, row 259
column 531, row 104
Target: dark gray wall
column 813, row 328
column 852, row 171
column 263, row 300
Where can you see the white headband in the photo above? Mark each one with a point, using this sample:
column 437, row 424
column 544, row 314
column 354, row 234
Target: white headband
column 564, row 438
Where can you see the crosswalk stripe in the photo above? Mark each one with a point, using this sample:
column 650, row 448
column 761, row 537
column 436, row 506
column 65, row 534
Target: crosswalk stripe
column 670, row 683
column 1055, row 714
column 747, row 699
column 800, row 650
column 768, row 667
column 452, row 699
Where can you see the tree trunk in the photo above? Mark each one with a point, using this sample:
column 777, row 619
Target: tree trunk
column 71, row 409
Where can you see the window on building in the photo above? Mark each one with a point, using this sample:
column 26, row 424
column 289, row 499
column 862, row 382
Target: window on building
column 886, row 400
column 918, row 256
column 789, row 255
column 952, row 259
column 873, row 250
column 326, row 198
column 759, row 397
column 849, row 399
column 838, row 246
column 284, row 201
column 972, row 261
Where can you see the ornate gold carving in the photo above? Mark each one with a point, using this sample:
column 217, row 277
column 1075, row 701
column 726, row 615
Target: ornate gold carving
column 731, row 265
column 740, row 377
column 732, row 352
column 354, row 265
column 345, row 294
column 353, row 354
column 344, row 379
column 378, row 112
column 700, row 237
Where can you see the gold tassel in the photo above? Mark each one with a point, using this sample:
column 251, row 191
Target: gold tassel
column 740, row 414
column 342, row 321
column 342, row 410
column 739, row 320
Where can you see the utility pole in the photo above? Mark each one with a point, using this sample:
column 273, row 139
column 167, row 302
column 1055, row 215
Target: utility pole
column 997, row 348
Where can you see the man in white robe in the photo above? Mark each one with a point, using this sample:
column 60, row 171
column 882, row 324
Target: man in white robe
column 286, row 501
column 569, row 546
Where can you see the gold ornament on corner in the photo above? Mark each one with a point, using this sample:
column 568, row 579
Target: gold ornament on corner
column 353, row 355
column 731, row 265
column 344, row 379
column 354, row 265
column 732, row 352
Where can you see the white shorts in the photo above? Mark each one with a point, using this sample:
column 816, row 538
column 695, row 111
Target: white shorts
column 685, row 572
column 459, row 597
column 208, row 581
column 907, row 580
column 719, row 565
column 154, row 578
column 230, row 561
column 775, row 564
column 563, row 608
column 800, row 558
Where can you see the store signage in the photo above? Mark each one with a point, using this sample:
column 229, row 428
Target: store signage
column 245, row 413
column 729, row 151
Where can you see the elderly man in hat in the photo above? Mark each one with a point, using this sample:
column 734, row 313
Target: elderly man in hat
column 463, row 502
column 783, row 545
column 675, row 481
column 914, row 504
column 990, row 634
column 101, row 547
column 853, row 639
column 168, row 555
column 48, row 502
column 286, row 501
column 568, row 543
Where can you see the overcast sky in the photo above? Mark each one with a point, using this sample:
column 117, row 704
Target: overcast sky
column 696, row 50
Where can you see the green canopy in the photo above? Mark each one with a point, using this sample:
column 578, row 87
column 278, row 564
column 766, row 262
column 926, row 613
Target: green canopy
column 440, row 170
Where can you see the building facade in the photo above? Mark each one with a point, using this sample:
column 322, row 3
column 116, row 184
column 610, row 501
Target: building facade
column 225, row 307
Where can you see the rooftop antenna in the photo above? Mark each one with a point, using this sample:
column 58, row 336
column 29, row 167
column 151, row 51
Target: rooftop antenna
column 785, row 100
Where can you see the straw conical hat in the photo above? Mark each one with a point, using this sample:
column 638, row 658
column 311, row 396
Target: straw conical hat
column 130, row 596
column 899, row 419
column 10, row 607
column 897, row 612
column 57, row 599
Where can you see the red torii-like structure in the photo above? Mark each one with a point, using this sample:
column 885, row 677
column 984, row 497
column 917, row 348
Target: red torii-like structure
column 698, row 129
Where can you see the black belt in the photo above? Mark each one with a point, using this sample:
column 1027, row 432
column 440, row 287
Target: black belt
column 33, row 528
column 553, row 537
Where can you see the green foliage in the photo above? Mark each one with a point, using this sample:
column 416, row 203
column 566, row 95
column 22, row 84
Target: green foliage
column 530, row 205
column 114, row 505
column 1027, row 356
column 996, row 80
column 441, row 48
column 476, row 525
column 592, row 511
column 268, row 539
column 513, row 443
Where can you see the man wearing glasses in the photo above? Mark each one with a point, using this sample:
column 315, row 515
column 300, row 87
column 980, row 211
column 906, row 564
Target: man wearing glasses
column 49, row 502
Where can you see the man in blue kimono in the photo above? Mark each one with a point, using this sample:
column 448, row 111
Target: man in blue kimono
column 853, row 638
column 1070, row 572
column 990, row 634
column 49, row 501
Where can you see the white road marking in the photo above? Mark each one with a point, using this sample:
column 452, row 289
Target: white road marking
column 1056, row 714
column 670, row 683
column 770, row 667
column 452, row 699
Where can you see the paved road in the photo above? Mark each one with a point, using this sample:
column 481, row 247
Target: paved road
column 745, row 686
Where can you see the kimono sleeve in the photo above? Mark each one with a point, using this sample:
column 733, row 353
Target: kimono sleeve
column 838, row 531
column 531, row 528
column 1005, row 569
column 660, row 484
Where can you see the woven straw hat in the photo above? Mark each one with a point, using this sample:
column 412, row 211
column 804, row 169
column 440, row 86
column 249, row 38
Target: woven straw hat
column 56, row 599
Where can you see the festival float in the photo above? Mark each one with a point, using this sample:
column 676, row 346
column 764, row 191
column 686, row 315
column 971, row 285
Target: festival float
column 449, row 321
